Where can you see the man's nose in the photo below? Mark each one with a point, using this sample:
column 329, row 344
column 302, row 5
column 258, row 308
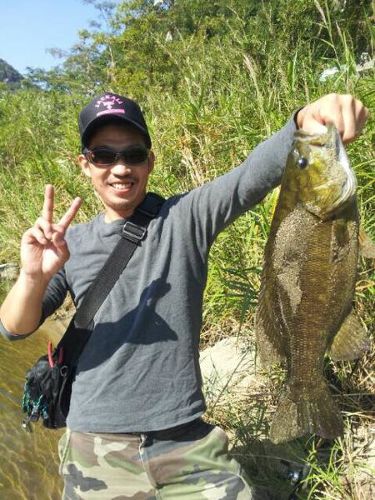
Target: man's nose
column 121, row 168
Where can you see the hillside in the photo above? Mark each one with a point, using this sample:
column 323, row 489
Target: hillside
column 8, row 74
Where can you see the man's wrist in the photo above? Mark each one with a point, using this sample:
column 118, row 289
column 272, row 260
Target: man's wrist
column 33, row 280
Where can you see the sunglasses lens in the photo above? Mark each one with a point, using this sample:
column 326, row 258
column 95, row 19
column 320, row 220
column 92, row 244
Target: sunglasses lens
column 135, row 154
column 103, row 156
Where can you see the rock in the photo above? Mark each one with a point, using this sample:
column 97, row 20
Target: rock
column 228, row 369
column 8, row 272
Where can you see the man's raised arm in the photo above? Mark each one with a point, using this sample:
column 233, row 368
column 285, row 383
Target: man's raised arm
column 44, row 251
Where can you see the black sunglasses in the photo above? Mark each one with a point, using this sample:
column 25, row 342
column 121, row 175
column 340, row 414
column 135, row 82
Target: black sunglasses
column 105, row 156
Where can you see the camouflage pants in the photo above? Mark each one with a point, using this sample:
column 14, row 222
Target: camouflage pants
column 190, row 462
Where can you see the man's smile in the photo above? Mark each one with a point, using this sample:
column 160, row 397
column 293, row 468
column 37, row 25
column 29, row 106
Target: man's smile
column 122, row 186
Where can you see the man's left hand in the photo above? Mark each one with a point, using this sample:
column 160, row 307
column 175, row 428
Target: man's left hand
column 346, row 112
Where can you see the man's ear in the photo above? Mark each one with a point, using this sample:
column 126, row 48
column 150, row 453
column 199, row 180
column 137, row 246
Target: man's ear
column 151, row 161
column 84, row 164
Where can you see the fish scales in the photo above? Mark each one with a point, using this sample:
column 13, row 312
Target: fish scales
column 308, row 283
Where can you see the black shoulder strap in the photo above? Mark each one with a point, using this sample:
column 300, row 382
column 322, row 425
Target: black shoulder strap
column 133, row 232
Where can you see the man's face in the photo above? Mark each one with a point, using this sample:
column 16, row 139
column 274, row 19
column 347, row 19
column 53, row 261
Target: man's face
column 121, row 187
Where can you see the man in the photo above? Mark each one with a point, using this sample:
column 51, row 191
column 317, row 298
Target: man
column 134, row 425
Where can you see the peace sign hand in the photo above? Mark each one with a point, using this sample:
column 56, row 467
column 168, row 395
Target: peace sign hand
column 43, row 247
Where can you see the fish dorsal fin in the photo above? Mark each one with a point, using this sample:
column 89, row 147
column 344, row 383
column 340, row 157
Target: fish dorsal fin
column 366, row 245
column 351, row 341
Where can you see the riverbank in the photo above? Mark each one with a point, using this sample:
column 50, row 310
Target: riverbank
column 242, row 399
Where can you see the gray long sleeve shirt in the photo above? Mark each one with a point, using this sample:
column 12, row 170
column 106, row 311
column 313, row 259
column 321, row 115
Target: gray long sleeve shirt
column 139, row 370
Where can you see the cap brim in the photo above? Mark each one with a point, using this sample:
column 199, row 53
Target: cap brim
column 102, row 120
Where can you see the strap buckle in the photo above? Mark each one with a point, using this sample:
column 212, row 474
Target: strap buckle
column 132, row 232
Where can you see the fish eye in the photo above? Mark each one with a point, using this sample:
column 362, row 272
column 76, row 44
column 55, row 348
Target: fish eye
column 302, row 162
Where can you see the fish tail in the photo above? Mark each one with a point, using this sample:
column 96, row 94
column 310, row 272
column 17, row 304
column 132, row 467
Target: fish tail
column 303, row 412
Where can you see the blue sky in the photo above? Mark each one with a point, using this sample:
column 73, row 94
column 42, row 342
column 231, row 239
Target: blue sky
column 29, row 27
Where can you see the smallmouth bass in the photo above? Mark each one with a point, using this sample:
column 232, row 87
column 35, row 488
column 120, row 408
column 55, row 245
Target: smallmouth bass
column 308, row 283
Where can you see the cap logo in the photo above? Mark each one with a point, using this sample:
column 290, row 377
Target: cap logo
column 109, row 102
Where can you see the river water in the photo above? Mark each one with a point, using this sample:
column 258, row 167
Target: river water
column 28, row 460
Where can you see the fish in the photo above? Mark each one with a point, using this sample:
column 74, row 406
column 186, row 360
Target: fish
column 305, row 303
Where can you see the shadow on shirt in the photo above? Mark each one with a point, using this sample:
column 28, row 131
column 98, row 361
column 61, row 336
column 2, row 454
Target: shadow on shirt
column 132, row 334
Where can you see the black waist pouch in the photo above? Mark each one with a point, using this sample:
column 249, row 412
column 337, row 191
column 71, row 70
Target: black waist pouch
column 49, row 381
column 47, row 390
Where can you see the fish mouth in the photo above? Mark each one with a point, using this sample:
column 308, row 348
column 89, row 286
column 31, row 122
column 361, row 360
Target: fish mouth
column 349, row 188
column 331, row 140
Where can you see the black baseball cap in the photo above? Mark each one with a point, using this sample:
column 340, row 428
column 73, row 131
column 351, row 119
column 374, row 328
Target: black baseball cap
column 108, row 108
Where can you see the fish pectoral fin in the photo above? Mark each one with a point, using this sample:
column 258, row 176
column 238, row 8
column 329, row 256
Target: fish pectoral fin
column 366, row 245
column 351, row 341
column 306, row 411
